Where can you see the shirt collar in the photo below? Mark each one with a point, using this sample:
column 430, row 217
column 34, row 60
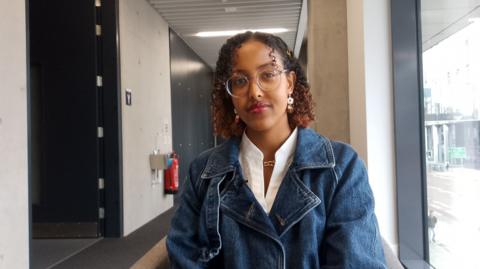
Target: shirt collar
column 285, row 152
column 312, row 151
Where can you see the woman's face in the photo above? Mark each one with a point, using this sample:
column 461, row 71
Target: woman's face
column 261, row 110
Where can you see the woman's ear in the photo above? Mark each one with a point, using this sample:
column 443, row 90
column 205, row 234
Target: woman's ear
column 291, row 78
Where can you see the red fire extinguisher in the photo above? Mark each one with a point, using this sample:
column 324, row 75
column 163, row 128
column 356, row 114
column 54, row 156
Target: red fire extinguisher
column 171, row 175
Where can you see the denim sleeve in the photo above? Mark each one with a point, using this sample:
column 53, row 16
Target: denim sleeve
column 182, row 240
column 351, row 238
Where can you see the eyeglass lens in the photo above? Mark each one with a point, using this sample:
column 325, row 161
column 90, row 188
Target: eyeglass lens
column 267, row 79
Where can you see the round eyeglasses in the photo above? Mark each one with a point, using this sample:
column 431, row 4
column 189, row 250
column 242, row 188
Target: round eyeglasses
column 268, row 79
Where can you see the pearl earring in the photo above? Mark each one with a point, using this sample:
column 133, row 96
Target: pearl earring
column 237, row 118
column 290, row 104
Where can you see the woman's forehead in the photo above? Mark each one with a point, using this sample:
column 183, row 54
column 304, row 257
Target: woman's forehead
column 252, row 55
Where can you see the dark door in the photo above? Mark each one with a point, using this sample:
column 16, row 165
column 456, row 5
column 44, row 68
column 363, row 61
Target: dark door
column 66, row 140
column 191, row 90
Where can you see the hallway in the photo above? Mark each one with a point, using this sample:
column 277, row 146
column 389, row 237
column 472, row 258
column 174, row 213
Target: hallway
column 106, row 252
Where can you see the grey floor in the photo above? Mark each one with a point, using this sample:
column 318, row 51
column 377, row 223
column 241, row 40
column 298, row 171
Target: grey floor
column 105, row 253
column 46, row 253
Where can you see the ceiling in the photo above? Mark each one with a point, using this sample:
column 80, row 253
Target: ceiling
column 188, row 17
column 442, row 18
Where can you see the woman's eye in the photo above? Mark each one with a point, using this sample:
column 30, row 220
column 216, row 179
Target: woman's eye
column 239, row 81
column 268, row 75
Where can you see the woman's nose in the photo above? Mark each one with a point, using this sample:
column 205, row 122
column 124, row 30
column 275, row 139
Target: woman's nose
column 254, row 90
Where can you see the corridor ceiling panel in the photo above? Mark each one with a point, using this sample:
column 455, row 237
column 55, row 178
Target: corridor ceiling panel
column 188, row 17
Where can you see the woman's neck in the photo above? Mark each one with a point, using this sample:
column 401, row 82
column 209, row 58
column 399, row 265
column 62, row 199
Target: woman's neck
column 269, row 141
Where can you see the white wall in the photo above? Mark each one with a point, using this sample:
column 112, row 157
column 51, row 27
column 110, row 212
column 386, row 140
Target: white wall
column 371, row 103
column 14, row 231
column 146, row 125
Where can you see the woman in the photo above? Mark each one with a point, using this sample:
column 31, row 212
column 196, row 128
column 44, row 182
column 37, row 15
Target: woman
column 275, row 194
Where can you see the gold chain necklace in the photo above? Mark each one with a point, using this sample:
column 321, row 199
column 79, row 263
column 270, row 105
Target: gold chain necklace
column 269, row 163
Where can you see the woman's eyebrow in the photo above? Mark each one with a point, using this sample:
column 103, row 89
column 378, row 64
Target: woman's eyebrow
column 263, row 65
column 258, row 67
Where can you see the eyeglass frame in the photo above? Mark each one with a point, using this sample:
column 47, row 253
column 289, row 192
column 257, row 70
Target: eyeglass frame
column 249, row 80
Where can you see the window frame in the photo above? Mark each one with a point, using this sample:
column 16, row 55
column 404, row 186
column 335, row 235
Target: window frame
column 409, row 133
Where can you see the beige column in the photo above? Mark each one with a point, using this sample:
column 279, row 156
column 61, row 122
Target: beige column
column 328, row 67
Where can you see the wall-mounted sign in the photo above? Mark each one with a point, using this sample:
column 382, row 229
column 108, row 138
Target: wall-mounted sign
column 128, row 97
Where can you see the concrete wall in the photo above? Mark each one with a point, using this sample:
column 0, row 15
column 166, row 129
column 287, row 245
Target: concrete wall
column 145, row 69
column 350, row 70
column 14, row 228
column 371, row 103
column 328, row 67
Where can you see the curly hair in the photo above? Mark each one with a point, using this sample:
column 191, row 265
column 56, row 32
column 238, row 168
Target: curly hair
column 222, row 106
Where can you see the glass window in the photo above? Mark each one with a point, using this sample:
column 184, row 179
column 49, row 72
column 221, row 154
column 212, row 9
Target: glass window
column 451, row 98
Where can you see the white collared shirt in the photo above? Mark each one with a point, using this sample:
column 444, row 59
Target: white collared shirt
column 251, row 161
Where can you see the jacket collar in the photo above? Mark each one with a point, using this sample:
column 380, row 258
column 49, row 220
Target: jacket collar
column 312, row 151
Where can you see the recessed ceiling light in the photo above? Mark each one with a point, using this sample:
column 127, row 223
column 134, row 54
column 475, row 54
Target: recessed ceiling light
column 230, row 9
column 234, row 32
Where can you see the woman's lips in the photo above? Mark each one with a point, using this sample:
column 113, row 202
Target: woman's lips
column 257, row 108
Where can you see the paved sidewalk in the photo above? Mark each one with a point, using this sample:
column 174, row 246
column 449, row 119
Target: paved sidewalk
column 454, row 197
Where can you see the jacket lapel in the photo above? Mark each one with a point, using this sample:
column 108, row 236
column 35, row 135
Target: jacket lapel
column 293, row 201
column 238, row 202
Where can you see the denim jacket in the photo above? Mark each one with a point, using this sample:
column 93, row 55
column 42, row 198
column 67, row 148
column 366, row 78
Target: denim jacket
column 322, row 217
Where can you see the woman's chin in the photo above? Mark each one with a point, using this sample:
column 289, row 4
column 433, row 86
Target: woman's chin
column 260, row 125
column 265, row 124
